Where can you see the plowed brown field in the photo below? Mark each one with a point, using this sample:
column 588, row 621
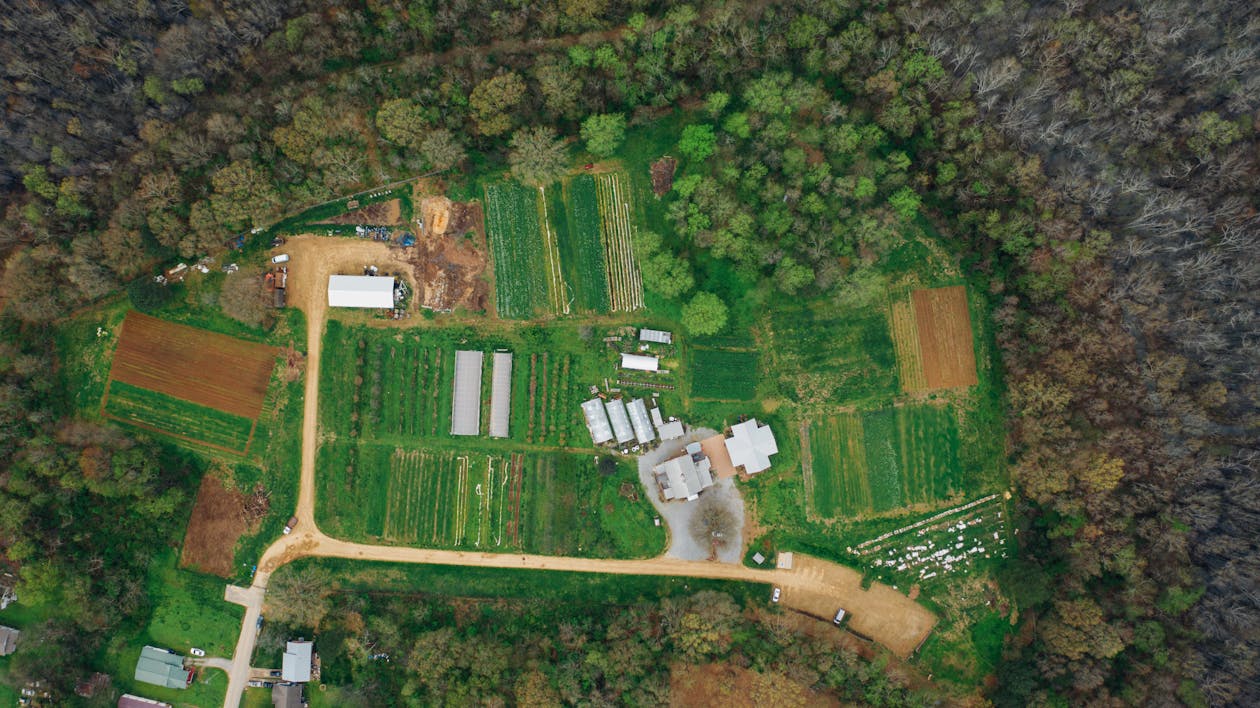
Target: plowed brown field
column 218, row 520
column 945, row 340
column 194, row 365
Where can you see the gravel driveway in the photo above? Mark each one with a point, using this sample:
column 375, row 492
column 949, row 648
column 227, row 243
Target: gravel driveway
column 677, row 514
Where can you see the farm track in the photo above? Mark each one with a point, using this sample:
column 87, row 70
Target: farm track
column 880, row 612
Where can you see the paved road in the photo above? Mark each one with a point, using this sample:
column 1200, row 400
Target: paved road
column 313, row 260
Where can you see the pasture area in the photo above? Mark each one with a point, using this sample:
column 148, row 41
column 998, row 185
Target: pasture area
column 933, row 336
column 522, row 273
column 625, row 284
column 192, row 423
column 882, row 461
column 581, row 247
column 549, row 503
column 195, row 365
column 723, row 374
column 825, row 354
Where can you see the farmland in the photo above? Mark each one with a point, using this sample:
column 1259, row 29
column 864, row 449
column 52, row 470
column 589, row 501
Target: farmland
column 522, row 283
column 542, row 503
column 187, row 421
column 582, row 251
column 945, row 339
column 192, row 364
column 882, row 461
column 551, row 399
column 825, row 354
column 723, row 375
column 616, row 225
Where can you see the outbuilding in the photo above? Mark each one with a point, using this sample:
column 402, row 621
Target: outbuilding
column 296, row 663
column 466, row 405
column 640, row 422
column 597, row 421
column 751, row 446
column 368, row 291
column 501, row 394
column 162, row 667
column 8, row 640
column 656, row 336
column 638, row 362
column 620, row 421
column 129, row 701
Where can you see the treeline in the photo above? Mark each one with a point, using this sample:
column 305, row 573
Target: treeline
column 1096, row 160
column 400, row 650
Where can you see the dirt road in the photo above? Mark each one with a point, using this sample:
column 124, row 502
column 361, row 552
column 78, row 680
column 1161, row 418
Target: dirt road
column 812, row 586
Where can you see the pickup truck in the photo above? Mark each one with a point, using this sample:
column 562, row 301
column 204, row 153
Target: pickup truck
column 288, row 528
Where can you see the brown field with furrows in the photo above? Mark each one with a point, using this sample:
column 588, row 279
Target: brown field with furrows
column 193, row 364
column 945, row 339
column 218, row 519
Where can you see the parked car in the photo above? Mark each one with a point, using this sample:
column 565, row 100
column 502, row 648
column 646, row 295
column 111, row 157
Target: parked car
column 280, row 258
column 839, row 616
column 778, row 592
column 197, row 652
column 288, row 528
column 275, row 673
column 259, row 625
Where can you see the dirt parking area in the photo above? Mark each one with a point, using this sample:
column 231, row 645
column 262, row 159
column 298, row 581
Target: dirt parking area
column 218, row 519
column 714, row 448
column 819, row 588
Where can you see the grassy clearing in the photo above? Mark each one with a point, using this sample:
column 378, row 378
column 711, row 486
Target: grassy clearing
column 825, row 354
column 157, row 411
column 883, row 460
column 581, row 249
column 724, row 375
column 516, row 243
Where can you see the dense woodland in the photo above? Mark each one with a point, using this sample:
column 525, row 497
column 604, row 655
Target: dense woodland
column 1095, row 162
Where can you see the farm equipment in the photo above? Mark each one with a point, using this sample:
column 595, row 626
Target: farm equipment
column 230, row 267
column 277, row 241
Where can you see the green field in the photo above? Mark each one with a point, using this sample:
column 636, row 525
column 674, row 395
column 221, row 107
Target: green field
column 724, row 375
column 190, row 421
column 825, row 354
column 883, row 460
column 516, row 243
column 581, row 249
column 548, row 503
column 548, row 400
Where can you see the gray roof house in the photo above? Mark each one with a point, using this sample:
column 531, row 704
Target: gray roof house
column 296, row 665
column 162, row 667
column 751, row 446
column 685, row 476
column 286, row 695
column 8, row 640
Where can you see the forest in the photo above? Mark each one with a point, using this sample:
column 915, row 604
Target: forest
column 1095, row 163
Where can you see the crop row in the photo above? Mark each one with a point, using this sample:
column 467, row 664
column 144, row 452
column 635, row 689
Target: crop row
column 582, row 252
column 624, row 281
column 183, row 419
column 522, row 283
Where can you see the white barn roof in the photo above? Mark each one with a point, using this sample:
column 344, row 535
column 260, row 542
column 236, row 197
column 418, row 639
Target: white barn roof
column 501, row 395
column 360, row 291
column 670, row 431
column 297, row 662
column 640, row 362
column 656, row 335
column 685, row 476
column 639, row 420
column 620, row 421
column 597, row 421
column 466, row 402
column 750, row 446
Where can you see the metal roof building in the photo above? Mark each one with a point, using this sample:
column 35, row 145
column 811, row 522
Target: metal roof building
column 162, row 667
column 297, row 662
column 8, row 640
column 466, row 402
column 639, row 362
column 597, row 421
column 640, row 422
column 620, row 421
column 657, row 419
column 656, row 335
column 751, row 446
column 286, row 695
column 361, row 291
column 670, row 431
column 685, row 476
column 501, row 394
column 129, row 701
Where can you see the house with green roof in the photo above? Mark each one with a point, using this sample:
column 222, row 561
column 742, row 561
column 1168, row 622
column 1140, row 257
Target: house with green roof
column 162, row 667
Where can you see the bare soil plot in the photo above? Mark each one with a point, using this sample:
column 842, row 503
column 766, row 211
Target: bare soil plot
column 945, row 338
column 719, row 457
column 436, row 212
column 448, row 269
column 388, row 213
column 218, row 520
column 880, row 613
column 195, row 365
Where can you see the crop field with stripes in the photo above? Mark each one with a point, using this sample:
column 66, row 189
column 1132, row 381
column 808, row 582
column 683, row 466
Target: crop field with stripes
column 582, row 248
column 882, row 461
column 522, row 283
column 625, row 284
